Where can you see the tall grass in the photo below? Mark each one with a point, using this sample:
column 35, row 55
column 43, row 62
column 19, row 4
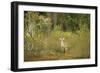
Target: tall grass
column 48, row 47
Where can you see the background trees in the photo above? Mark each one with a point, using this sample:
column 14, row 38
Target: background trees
column 46, row 21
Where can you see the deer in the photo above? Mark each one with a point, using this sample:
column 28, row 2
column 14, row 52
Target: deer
column 63, row 44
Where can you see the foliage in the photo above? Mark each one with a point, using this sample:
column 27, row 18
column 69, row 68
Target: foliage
column 42, row 33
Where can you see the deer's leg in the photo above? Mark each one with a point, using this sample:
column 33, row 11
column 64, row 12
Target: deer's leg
column 64, row 50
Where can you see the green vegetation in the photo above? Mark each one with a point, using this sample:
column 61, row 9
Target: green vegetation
column 43, row 30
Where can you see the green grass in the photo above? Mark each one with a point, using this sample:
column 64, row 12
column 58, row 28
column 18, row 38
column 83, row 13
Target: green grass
column 47, row 47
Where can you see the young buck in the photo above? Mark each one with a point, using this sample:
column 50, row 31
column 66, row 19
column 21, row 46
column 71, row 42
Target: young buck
column 63, row 44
